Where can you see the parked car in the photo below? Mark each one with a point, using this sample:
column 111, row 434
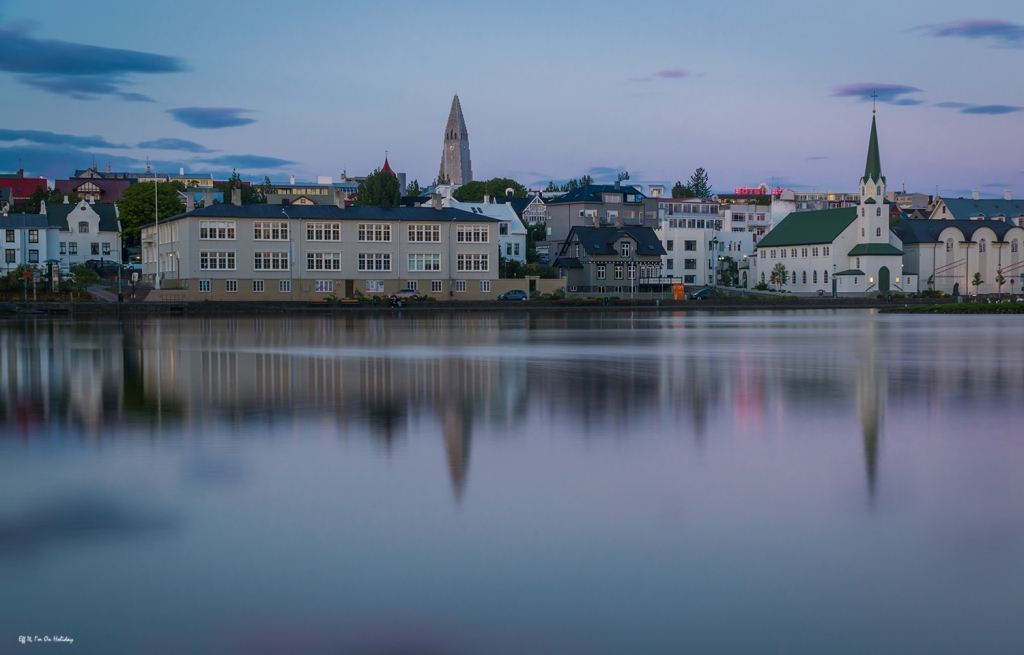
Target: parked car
column 403, row 294
column 700, row 295
column 133, row 266
column 514, row 294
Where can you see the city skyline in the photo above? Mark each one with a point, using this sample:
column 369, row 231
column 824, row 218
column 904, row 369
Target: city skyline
column 724, row 87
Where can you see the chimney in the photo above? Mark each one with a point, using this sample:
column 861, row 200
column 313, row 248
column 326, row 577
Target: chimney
column 618, row 185
column 974, row 194
column 190, row 201
column 597, row 221
column 618, row 221
column 208, row 199
column 21, row 172
column 339, row 198
column 1007, row 194
column 236, row 197
column 181, row 172
column 487, row 199
column 435, row 201
column 291, row 179
column 65, row 200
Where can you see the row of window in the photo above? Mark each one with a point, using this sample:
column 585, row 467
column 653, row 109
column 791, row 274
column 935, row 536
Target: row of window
column 688, row 264
column 327, row 286
column 814, row 277
column 71, row 248
column 331, row 261
column 878, row 231
column 629, row 270
column 695, row 223
column 813, row 252
column 33, row 236
column 366, row 232
column 983, row 245
column 670, row 245
column 11, row 256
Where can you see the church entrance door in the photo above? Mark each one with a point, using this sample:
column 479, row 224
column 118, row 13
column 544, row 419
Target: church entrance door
column 883, row 278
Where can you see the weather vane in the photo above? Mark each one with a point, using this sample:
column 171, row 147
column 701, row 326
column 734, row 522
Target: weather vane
column 874, row 98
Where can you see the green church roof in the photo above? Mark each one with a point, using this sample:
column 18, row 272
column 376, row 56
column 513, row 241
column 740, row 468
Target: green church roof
column 805, row 228
column 873, row 167
column 882, row 249
column 850, row 271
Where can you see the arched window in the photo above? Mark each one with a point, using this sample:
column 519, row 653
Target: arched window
column 878, row 211
column 1013, row 246
column 83, row 227
column 794, row 277
column 871, row 190
column 814, row 278
column 803, row 277
column 878, row 231
column 949, row 245
column 826, row 277
column 981, row 246
column 862, row 211
column 862, row 231
column 762, row 277
column 858, row 262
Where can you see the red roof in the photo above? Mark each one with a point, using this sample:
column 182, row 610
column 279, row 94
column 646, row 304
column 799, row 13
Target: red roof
column 387, row 167
column 22, row 187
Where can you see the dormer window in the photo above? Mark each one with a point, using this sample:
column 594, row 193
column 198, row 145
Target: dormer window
column 624, row 249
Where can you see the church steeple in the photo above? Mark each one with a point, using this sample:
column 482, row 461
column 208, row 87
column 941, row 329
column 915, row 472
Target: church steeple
column 873, row 167
column 456, row 167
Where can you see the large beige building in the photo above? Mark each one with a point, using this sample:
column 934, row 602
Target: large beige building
column 272, row 252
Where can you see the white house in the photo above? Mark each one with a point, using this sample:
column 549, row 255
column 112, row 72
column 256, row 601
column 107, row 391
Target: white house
column 511, row 231
column 87, row 231
column 27, row 239
column 697, row 238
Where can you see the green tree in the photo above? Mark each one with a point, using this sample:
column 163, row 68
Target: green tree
column 413, row 189
column 551, row 186
column 32, row 205
column 534, row 233
column 1000, row 280
column 83, row 277
column 780, row 275
column 251, row 194
column 495, row 188
column 977, row 281
column 586, row 180
column 699, row 184
column 623, row 176
column 681, row 190
column 135, row 207
column 441, row 179
column 266, row 187
column 379, row 188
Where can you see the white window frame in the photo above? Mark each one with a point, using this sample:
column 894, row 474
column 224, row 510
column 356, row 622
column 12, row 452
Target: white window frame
column 472, row 262
column 460, row 286
column 323, row 231
column 374, row 261
column 374, row 233
column 257, row 286
column 223, row 260
column 270, row 261
column 222, row 230
column 231, row 286
column 436, row 286
column 270, row 231
column 424, row 233
column 485, row 286
column 421, row 261
column 323, row 286
column 323, row 261
column 284, row 286
column 472, row 234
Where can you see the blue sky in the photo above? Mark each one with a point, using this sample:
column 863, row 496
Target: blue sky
column 550, row 90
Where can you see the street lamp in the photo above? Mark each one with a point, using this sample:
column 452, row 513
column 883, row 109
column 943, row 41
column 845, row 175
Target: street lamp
column 156, row 213
column 291, row 253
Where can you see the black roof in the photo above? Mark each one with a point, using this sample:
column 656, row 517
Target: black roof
column 519, row 205
column 57, row 215
column 601, row 240
column 333, row 213
column 592, row 193
column 568, row 262
column 20, row 221
column 919, row 231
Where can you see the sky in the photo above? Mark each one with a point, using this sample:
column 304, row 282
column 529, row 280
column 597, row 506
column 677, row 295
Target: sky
column 776, row 93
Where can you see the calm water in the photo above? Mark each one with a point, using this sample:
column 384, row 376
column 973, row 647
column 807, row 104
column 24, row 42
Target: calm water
column 819, row 482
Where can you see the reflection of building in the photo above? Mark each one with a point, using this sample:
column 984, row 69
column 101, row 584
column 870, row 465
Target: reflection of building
column 872, row 390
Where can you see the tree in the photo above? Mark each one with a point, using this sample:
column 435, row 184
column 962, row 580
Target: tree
column 1000, row 280
column 441, row 179
column 40, row 195
column 251, row 194
column 780, row 275
column 699, row 184
column 977, row 281
column 377, row 189
column 83, row 277
column 931, row 282
column 623, row 176
column 266, row 187
column 413, row 189
column 135, row 207
column 551, row 186
column 534, row 233
column 586, row 180
column 495, row 188
column 681, row 190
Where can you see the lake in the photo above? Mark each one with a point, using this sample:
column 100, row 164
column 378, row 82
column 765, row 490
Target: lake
column 833, row 481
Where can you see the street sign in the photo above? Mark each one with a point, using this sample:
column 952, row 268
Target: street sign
column 26, row 275
column 35, row 276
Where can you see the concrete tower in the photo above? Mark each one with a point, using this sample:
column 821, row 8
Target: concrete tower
column 455, row 164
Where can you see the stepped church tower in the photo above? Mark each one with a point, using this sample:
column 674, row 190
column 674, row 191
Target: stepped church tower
column 455, row 164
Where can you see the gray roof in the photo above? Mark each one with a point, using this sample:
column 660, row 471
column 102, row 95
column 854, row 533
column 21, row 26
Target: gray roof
column 601, row 240
column 592, row 193
column 519, row 205
column 5, row 194
column 916, row 231
column 334, row 213
column 57, row 215
column 964, row 208
column 568, row 262
column 21, row 221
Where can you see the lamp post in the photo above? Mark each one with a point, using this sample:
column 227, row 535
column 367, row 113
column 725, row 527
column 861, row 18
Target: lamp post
column 291, row 253
column 156, row 213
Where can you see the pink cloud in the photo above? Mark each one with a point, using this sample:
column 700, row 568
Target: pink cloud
column 672, row 73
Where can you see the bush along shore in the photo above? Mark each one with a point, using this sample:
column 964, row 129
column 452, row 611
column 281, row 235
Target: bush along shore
column 960, row 308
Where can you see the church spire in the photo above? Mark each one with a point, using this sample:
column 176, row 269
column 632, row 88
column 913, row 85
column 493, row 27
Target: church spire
column 873, row 168
column 455, row 163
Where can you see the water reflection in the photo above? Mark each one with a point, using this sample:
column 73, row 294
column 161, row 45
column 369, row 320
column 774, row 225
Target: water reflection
column 613, row 376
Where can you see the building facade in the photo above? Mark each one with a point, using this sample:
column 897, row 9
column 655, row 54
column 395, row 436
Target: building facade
column 85, row 231
column 612, row 260
column 976, row 209
column 590, row 205
column 511, row 231
column 701, row 241
column 269, row 252
column 27, row 239
column 21, row 187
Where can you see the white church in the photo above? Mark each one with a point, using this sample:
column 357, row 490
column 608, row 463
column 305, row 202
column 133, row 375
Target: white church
column 843, row 251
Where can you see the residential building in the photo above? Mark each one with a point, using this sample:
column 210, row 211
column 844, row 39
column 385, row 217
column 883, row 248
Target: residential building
column 199, row 180
column 977, row 209
column 456, row 167
column 806, row 201
column 27, row 239
column 233, row 251
column 946, row 254
column 907, row 200
column 843, row 250
column 593, row 204
column 619, row 260
column 95, row 189
column 86, row 231
column 21, row 187
column 531, row 210
column 511, row 231
column 324, row 192
column 699, row 240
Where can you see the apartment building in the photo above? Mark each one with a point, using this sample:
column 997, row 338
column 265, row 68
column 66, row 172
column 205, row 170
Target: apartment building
column 305, row 252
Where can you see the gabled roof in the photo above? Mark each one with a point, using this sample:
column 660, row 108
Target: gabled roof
column 961, row 208
column 601, row 240
column 519, row 205
column 592, row 193
column 334, row 213
column 881, row 249
column 914, row 231
column 57, row 215
column 804, row 228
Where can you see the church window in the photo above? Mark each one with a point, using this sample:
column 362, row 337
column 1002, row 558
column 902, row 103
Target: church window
column 803, row 252
column 858, row 262
column 878, row 231
column 773, row 254
column 794, row 277
column 949, row 245
column 762, row 277
column 871, row 190
column 814, row 252
column 826, row 277
column 862, row 211
column 1013, row 246
column 803, row 277
column 792, row 252
column 782, row 253
column 862, row 231
column 878, row 211
column 824, row 251
column 981, row 246
column 814, row 277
